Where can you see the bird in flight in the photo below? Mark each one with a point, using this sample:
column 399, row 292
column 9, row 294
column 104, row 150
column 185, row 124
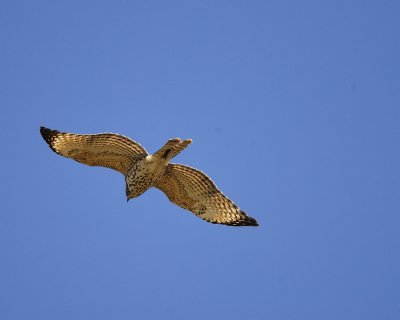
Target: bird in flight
column 186, row 187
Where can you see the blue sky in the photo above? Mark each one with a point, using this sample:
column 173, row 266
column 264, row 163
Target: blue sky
column 293, row 108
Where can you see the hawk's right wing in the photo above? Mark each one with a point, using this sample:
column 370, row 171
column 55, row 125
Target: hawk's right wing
column 191, row 189
column 105, row 149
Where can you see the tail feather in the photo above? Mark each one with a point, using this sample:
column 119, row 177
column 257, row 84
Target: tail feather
column 172, row 148
column 177, row 149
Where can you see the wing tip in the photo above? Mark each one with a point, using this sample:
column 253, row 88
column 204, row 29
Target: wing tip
column 251, row 222
column 248, row 222
column 245, row 221
column 45, row 132
column 48, row 135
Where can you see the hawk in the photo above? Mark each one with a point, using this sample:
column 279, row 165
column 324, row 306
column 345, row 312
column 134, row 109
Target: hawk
column 186, row 187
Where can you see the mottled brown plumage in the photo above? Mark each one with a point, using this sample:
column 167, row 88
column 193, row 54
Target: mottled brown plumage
column 187, row 187
column 191, row 189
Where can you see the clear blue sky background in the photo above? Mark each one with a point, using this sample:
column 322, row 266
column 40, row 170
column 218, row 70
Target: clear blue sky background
column 294, row 111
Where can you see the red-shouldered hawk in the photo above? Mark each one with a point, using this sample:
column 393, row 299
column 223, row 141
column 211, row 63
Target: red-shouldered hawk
column 187, row 187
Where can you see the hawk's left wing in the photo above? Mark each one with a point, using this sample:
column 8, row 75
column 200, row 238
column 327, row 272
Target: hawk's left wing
column 191, row 189
column 109, row 150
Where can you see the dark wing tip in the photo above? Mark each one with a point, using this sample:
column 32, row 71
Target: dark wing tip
column 45, row 132
column 48, row 136
column 251, row 222
column 245, row 221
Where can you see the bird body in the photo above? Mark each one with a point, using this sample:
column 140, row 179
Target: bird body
column 147, row 171
column 143, row 175
column 186, row 187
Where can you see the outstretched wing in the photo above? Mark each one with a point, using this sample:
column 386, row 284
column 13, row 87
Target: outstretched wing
column 106, row 149
column 191, row 189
